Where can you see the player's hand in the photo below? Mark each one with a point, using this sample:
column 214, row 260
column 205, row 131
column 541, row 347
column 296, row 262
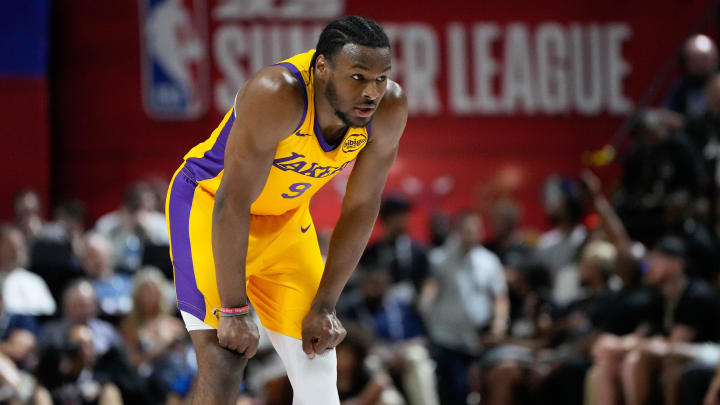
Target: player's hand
column 321, row 331
column 238, row 333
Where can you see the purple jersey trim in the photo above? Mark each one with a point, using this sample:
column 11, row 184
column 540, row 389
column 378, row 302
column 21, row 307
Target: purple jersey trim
column 367, row 129
column 213, row 161
column 189, row 298
column 300, row 79
column 321, row 139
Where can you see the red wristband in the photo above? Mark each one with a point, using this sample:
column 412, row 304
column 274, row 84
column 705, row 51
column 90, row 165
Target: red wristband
column 238, row 310
column 230, row 312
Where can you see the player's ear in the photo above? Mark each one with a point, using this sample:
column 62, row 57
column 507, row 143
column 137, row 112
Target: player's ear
column 322, row 67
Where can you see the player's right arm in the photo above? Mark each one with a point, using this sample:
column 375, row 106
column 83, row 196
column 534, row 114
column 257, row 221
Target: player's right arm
column 267, row 110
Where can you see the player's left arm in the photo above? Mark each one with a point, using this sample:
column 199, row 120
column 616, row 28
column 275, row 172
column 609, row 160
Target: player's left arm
column 321, row 329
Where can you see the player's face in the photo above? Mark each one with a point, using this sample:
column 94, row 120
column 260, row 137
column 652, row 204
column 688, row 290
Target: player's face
column 357, row 82
column 662, row 268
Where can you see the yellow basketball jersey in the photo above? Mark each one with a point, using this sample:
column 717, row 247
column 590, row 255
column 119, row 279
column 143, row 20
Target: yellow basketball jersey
column 303, row 162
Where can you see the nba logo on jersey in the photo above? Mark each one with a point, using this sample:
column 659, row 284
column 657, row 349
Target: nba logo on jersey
column 174, row 62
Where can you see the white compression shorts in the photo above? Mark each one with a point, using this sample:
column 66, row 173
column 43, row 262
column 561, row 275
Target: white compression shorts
column 313, row 381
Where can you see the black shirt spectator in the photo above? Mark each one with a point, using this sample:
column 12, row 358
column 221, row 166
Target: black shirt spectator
column 659, row 166
column 396, row 251
column 690, row 307
column 698, row 308
column 631, row 308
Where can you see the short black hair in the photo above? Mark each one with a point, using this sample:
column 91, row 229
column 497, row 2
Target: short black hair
column 351, row 29
column 133, row 195
column 394, row 204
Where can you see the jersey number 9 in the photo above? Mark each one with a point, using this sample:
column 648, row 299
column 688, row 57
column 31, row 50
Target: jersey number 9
column 298, row 189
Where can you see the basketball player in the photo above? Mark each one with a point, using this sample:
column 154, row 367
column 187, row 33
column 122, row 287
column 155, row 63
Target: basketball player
column 237, row 209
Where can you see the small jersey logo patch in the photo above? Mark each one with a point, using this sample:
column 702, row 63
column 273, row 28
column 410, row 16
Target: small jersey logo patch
column 354, row 142
column 303, row 230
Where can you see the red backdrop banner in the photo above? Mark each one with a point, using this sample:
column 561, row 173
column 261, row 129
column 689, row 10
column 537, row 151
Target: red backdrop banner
column 510, row 90
column 25, row 152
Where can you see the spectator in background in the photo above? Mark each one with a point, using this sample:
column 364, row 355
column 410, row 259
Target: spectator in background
column 68, row 226
column 704, row 131
column 530, row 306
column 559, row 246
column 659, row 165
column 112, row 289
column 626, row 365
column 18, row 359
column 616, row 318
column 153, row 337
column 405, row 258
column 465, row 305
column 80, row 307
column 439, row 227
column 69, row 372
column 359, row 384
column 507, row 242
column 390, row 318
column 28, row 218
column 133, row 226
column 397, row 330
column 701, row 259
column 552, row 364
column 687, row 96
column 692, row 310
column 55, row 255
column 23, row 292
column 18, row 338
column 108, row 362
column 635, row 305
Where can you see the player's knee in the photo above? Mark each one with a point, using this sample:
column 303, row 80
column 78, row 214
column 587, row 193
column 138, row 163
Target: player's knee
column 221, row 361
column 216, row 362
column 220, row 374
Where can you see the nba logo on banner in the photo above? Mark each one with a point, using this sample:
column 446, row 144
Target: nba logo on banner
column 174, row 58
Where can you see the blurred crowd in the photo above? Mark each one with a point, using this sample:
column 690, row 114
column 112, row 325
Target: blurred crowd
column 617, row 303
